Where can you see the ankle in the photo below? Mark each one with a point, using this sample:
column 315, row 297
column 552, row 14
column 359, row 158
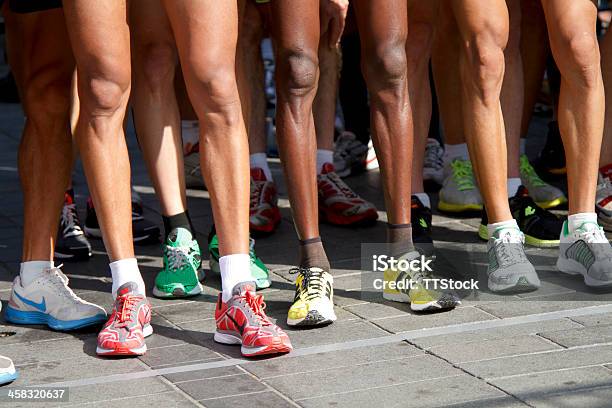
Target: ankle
column 124, row 271
column 312, row 254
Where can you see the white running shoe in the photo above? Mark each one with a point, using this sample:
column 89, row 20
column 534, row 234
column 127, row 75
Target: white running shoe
column 349, row 154
column 433, row 166
column 48, row 300
column 509, row 269
column 586, row 252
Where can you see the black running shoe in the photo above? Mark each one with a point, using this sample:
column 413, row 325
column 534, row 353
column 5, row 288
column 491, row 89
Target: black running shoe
column 552, row 157
column 71, row 242
column 541, row 227
column 143, row 230
column 421, row 222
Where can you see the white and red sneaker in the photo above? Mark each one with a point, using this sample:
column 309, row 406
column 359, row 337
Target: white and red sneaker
column 130, row 322
column 264, row 215
column 340, row 205
column 242, row 320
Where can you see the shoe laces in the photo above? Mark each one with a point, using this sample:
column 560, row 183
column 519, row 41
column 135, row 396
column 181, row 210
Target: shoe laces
column 256, row 193
column 313, row 282
column 509, row 248
column 529, row 172
column 59, row 282
column 340, row 186
column 463, row 174
column 592, row 233
column 177, row 257
column 70, row 221
column 433, row 156
column 127, row 303
column 257, row 306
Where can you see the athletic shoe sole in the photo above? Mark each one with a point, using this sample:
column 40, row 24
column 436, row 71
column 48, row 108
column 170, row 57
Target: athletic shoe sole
column 126, row 351
column 366, row 218
column 483, row 234
column 34, row 318
column 571, row 267
column 97, row 233
column 520, row 284
column 547, row 205
column 458, row 208
column 178, row 292
column 74, row 256
column 231, row 339
column 321, row 316
column 446, row 302
column 7, row 378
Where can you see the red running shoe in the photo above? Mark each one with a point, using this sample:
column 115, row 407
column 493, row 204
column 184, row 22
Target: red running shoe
column 124, row 333
column 242, row 320
column 340, row 205
column 264, row 215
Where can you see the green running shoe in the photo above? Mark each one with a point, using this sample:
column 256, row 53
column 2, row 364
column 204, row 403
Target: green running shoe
column 259, row 270
column 545, row 195
column 182, row 261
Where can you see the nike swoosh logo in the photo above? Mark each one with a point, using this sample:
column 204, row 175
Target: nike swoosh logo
column 42, row 306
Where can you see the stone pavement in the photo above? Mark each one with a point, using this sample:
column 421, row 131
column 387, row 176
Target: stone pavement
column 547, row 348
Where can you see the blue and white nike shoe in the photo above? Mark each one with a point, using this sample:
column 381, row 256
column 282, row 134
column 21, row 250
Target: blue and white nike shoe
column 48, row 300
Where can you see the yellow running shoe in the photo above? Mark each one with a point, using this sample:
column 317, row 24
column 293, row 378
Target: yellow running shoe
column 313, row 303
column 410, row 287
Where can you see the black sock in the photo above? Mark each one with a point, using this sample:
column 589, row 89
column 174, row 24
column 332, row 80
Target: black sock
column 173, row 222
column 399, row 237
column 312, row 254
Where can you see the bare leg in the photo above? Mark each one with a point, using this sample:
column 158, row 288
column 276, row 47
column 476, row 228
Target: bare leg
column 445, row 60
column 296, row 33
column 422, row 16
column 250, row 71
column 383, row 27
column 484, row 32
column 571, row 28
column 100, row 39
column 606, row 55
column 324, row 108
column 42, row 66
column 154, row 102
column 209, row 71
column 512, row 95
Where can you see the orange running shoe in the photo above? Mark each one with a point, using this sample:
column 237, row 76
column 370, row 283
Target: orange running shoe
column 242, row 320
column 130, row 322
column 264, row 215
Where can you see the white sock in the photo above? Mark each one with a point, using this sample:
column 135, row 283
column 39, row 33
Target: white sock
column 31, row 270
column 124, row 271
column 575, row 221
column 454, row 151
column 235, row 269
column 424, row 197
column 523, row 146
column 513, row 186
column 510, row 224
column 260, row 160
column 324, row 156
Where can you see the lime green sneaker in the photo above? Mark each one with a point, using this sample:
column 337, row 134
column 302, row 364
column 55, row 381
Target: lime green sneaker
column 411, row 287
column 182, row 261
column 259, row 270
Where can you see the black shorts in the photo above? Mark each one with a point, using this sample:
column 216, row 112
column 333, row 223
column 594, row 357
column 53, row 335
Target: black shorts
column 32, row 6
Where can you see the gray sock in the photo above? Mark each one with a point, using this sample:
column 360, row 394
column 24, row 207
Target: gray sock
column 312, row 254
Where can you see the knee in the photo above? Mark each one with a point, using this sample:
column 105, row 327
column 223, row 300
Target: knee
column 104, row 90
column 47, row 98
column 486, row 64
column 418, row 49
column 385, row 66
column 298, row 70
column 582, row 64
column 215, row 95
column 157, row 63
